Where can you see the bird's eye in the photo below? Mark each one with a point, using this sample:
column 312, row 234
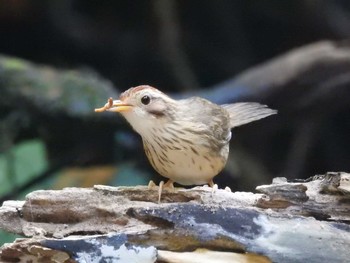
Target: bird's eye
column 145, row 100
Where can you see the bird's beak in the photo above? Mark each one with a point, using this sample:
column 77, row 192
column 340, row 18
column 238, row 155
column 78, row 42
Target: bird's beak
column 119, row 106
column 115, row 106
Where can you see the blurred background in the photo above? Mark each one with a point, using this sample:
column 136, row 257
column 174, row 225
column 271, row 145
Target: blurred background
column 60, row 59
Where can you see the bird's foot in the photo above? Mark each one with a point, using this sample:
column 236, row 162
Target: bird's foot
column 214, row 187
column 152, row 185
column 160, row 190
column 169, row 185
column 228, row 189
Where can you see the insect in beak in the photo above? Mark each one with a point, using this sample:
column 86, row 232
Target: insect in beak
column 119, row 106
column 114, row 106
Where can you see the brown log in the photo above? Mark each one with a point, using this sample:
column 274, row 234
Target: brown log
column 287, row 222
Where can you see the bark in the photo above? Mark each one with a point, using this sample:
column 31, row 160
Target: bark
column 305, row 221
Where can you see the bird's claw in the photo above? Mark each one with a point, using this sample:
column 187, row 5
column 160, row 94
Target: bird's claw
column 151, row 185
column 228, row 189
column 214, row 188
column 169, row 185
column 161, row 184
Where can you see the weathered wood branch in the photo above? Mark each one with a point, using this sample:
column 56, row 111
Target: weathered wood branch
column 287, row 222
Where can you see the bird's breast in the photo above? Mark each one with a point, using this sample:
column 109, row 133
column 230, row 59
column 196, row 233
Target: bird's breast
column 184, row 161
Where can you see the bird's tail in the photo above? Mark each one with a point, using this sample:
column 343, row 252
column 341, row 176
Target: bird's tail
column 245, row 112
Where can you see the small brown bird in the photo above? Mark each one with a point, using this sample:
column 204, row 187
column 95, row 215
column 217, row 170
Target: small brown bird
column 186, row 141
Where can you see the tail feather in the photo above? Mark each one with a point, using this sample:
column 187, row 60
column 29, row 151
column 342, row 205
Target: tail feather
column 245, row 112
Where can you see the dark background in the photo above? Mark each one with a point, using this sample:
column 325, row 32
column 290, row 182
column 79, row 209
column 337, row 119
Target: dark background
column 134, row 42
column 177, row 46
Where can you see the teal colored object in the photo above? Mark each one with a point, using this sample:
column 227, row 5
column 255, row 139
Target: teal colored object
column 21, row 163
column 128, row 175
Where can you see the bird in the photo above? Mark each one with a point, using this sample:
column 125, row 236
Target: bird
column 185, row 140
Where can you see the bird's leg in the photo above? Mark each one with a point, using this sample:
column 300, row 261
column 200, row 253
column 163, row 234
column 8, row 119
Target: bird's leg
column 213, row 186
column 168, row 185
column 160, row 189
column 153, row 186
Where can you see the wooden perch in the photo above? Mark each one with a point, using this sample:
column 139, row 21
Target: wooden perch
column 287, row 222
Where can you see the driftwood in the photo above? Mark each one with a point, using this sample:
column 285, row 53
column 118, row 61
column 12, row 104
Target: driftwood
column 304, row 221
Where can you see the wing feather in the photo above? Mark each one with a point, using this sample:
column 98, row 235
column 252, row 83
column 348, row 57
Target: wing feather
column 245, row 112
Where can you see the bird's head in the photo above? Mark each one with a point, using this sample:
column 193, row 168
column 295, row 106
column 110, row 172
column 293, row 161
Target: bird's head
column 143, row 106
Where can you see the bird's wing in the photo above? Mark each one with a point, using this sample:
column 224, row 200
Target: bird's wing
column 209, row 120
column 245, row 112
